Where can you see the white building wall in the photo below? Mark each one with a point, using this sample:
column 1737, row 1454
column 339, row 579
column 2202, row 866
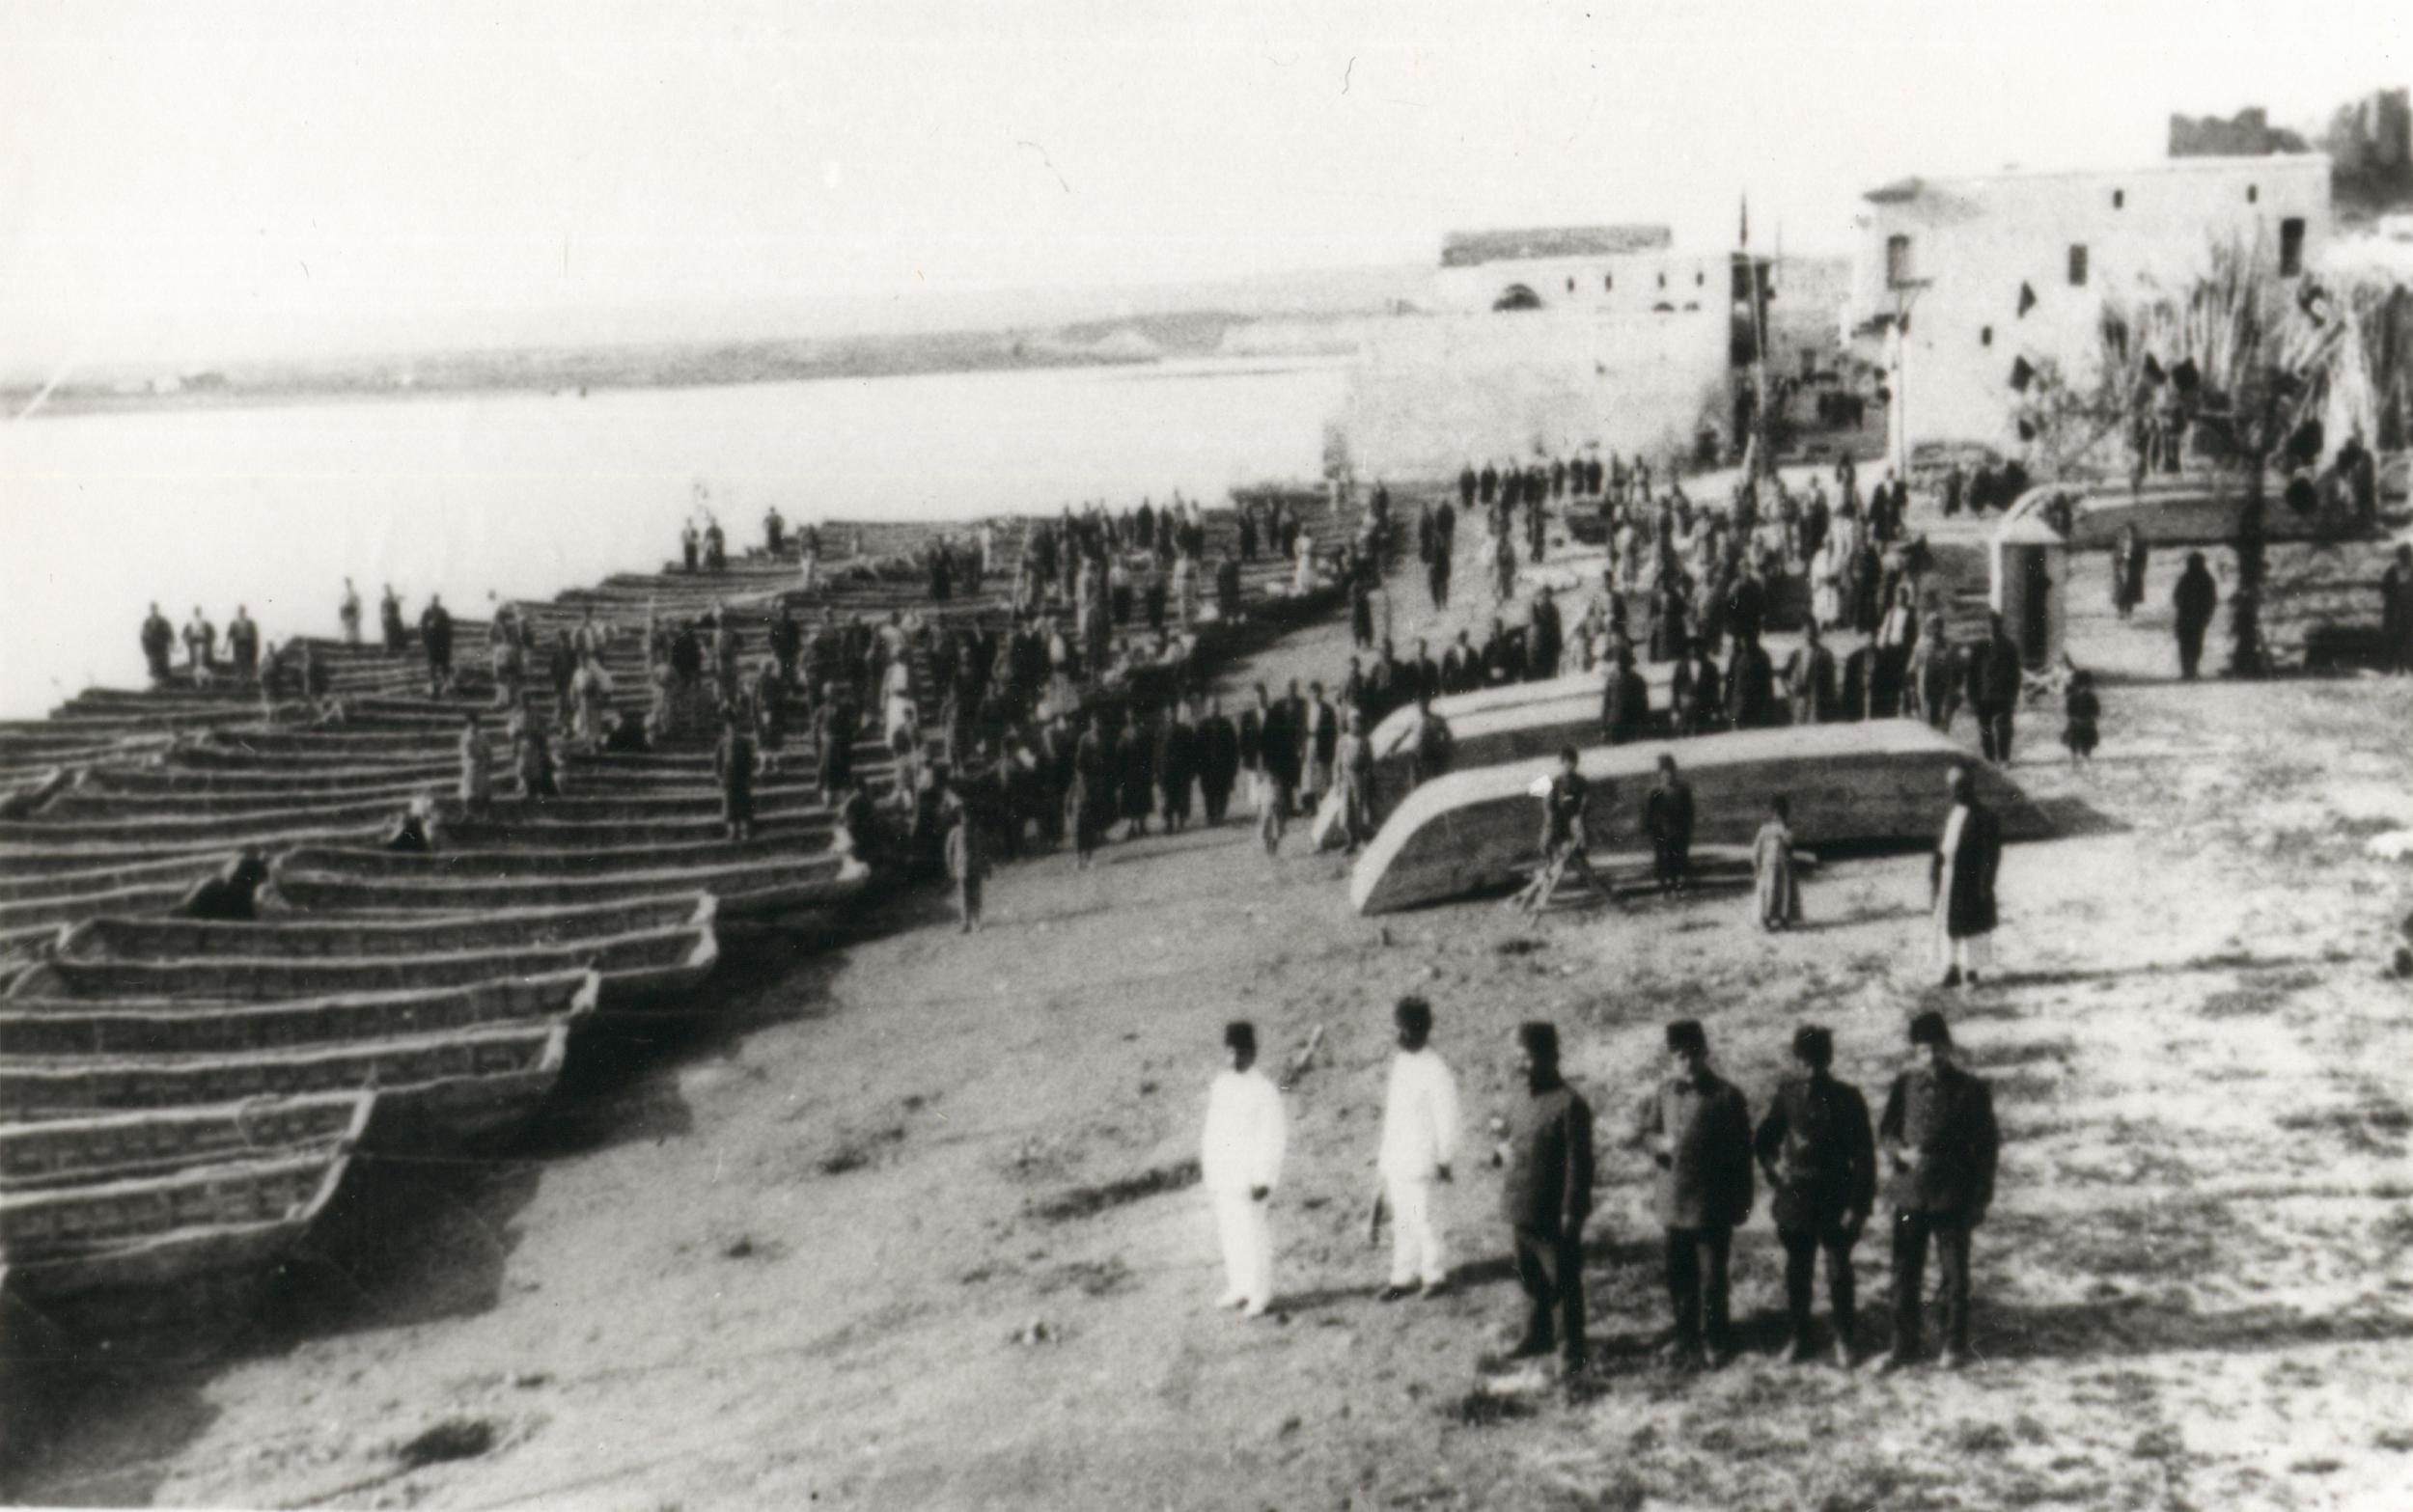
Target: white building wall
column 1431, row 392
column 1610, row 284
column 1980, row 240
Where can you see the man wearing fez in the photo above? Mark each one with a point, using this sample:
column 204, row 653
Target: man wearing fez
column 1940, row 1144
column 1239, row 1162
column 1420, row 1129
column 1821, row 1160
column 1697, row 1129
column 1548, row 1151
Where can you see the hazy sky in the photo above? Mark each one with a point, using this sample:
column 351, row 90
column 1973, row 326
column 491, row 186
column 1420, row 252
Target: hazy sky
column 192, row 180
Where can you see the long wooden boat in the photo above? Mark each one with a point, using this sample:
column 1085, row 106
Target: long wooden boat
column 632, row 967
column 49, row 912
column 431, row 1088
column 117, row 1147
column 176, row 828
column 1877, row 782
column 152, row 1232
column 103, row 801
column 1507, row 724
column 36, row 886
column 744, row 890
column 309, row 937
column 500, row 862
column 211, row 779
column 32, row 1026
column 800, row 829
column 69, row 852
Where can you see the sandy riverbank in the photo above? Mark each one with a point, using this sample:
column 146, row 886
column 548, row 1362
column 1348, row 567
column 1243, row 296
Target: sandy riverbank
column 786, row 1258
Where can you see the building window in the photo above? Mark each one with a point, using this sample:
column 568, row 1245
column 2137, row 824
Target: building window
column 2077, row 264
column 1897, row 261
column 2120, row 199
column 1662, row 280
column 1699, row 279
column 2292, row 246
column 2253, row 194
column 1985, row 335
column 1608, row 282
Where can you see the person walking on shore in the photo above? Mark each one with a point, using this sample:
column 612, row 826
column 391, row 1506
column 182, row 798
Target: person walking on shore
column 1566, row 835
column 1697, row 1129
column 1942, row 1146
column 1548, row 1151
column 1994, row 678
column 1961, row 880
column 1420, row 1133
column 1817, row 1150
column 1239, row 1164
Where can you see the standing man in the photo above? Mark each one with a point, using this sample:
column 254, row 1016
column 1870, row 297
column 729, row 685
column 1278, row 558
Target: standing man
column 1420, row 1129
column 1994, row 689
column 1218, row 760
column 1319, row 737
column 1961, row 880
column 1667, row 817
column 158, row 643
column 1279, row 768
column 200, row 644
column 477, row 768
column 1697, row 1129
column 732, row 763
column 390, row 621
column 1941, row 1145
column 435, row 638
column 1239, row 1163
column 1429, row 750
column 2195, row 596
column 1810, row 678
column 1547, row 1198
column 1820, row 1161
column 967, row 859
column 349, row 614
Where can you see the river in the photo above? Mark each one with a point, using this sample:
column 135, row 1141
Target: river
column 522, row 495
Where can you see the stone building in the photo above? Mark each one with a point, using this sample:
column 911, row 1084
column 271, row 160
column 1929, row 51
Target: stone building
column 1965, row 291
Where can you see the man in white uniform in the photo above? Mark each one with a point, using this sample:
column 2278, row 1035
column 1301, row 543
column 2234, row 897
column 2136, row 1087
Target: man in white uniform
column 1420, row 1125
column 1239, row 1162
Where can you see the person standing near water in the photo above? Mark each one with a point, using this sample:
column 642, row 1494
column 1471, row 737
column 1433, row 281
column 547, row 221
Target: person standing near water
column 349, row 614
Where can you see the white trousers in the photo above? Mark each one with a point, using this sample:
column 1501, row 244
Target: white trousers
column 1247, row 1246
column 1416, row 1250
column 1968, row 953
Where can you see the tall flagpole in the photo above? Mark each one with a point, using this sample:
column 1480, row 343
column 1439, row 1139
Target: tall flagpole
column 1763, row 464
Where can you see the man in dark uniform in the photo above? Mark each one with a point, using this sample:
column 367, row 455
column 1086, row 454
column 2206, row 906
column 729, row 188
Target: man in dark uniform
column 1624, row 702
column 1667, row 817
column 1941, row 1145
column 1994, row 689
column 1750, row 686
column 1697, row 1129
column 1547, row 637
column 1821, row 1160
column 1218, row 760
column 1176, row 767
column 1466, row 485
column 1487, row 483
column 1547, row 1196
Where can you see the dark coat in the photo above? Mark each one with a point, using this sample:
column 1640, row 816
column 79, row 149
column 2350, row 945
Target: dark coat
column 1218, row 754
column 1667, row 813
column 1946, row 1119
column 1819, row 1154
column 1994, row 676
column 1624, row 706
column 1705, row 1175
column 1548, row 1189
column 1974, row 863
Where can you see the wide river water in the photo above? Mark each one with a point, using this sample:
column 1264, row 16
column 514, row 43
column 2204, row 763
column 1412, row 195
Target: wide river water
column 522, row 495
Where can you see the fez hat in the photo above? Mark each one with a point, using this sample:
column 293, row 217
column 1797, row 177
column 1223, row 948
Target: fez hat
column 1413, row 1012
column 1240, row 1034
column 1814, row 1046
column 1540, row 1039
column 1687, row 1035
column 1930, row 1028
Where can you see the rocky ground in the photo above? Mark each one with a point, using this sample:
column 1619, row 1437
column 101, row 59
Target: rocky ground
column 911, row 1224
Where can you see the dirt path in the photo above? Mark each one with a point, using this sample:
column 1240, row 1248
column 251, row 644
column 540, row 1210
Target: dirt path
column 910, row 1226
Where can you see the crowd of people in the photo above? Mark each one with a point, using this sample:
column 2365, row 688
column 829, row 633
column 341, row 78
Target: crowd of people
column 1930, row 1155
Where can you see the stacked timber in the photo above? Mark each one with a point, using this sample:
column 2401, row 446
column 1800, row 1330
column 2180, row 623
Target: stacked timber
column 1875, row 783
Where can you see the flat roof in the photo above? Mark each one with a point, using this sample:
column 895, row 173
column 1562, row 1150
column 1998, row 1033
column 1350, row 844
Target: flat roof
column 1910, row 188
column 1472, row 248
